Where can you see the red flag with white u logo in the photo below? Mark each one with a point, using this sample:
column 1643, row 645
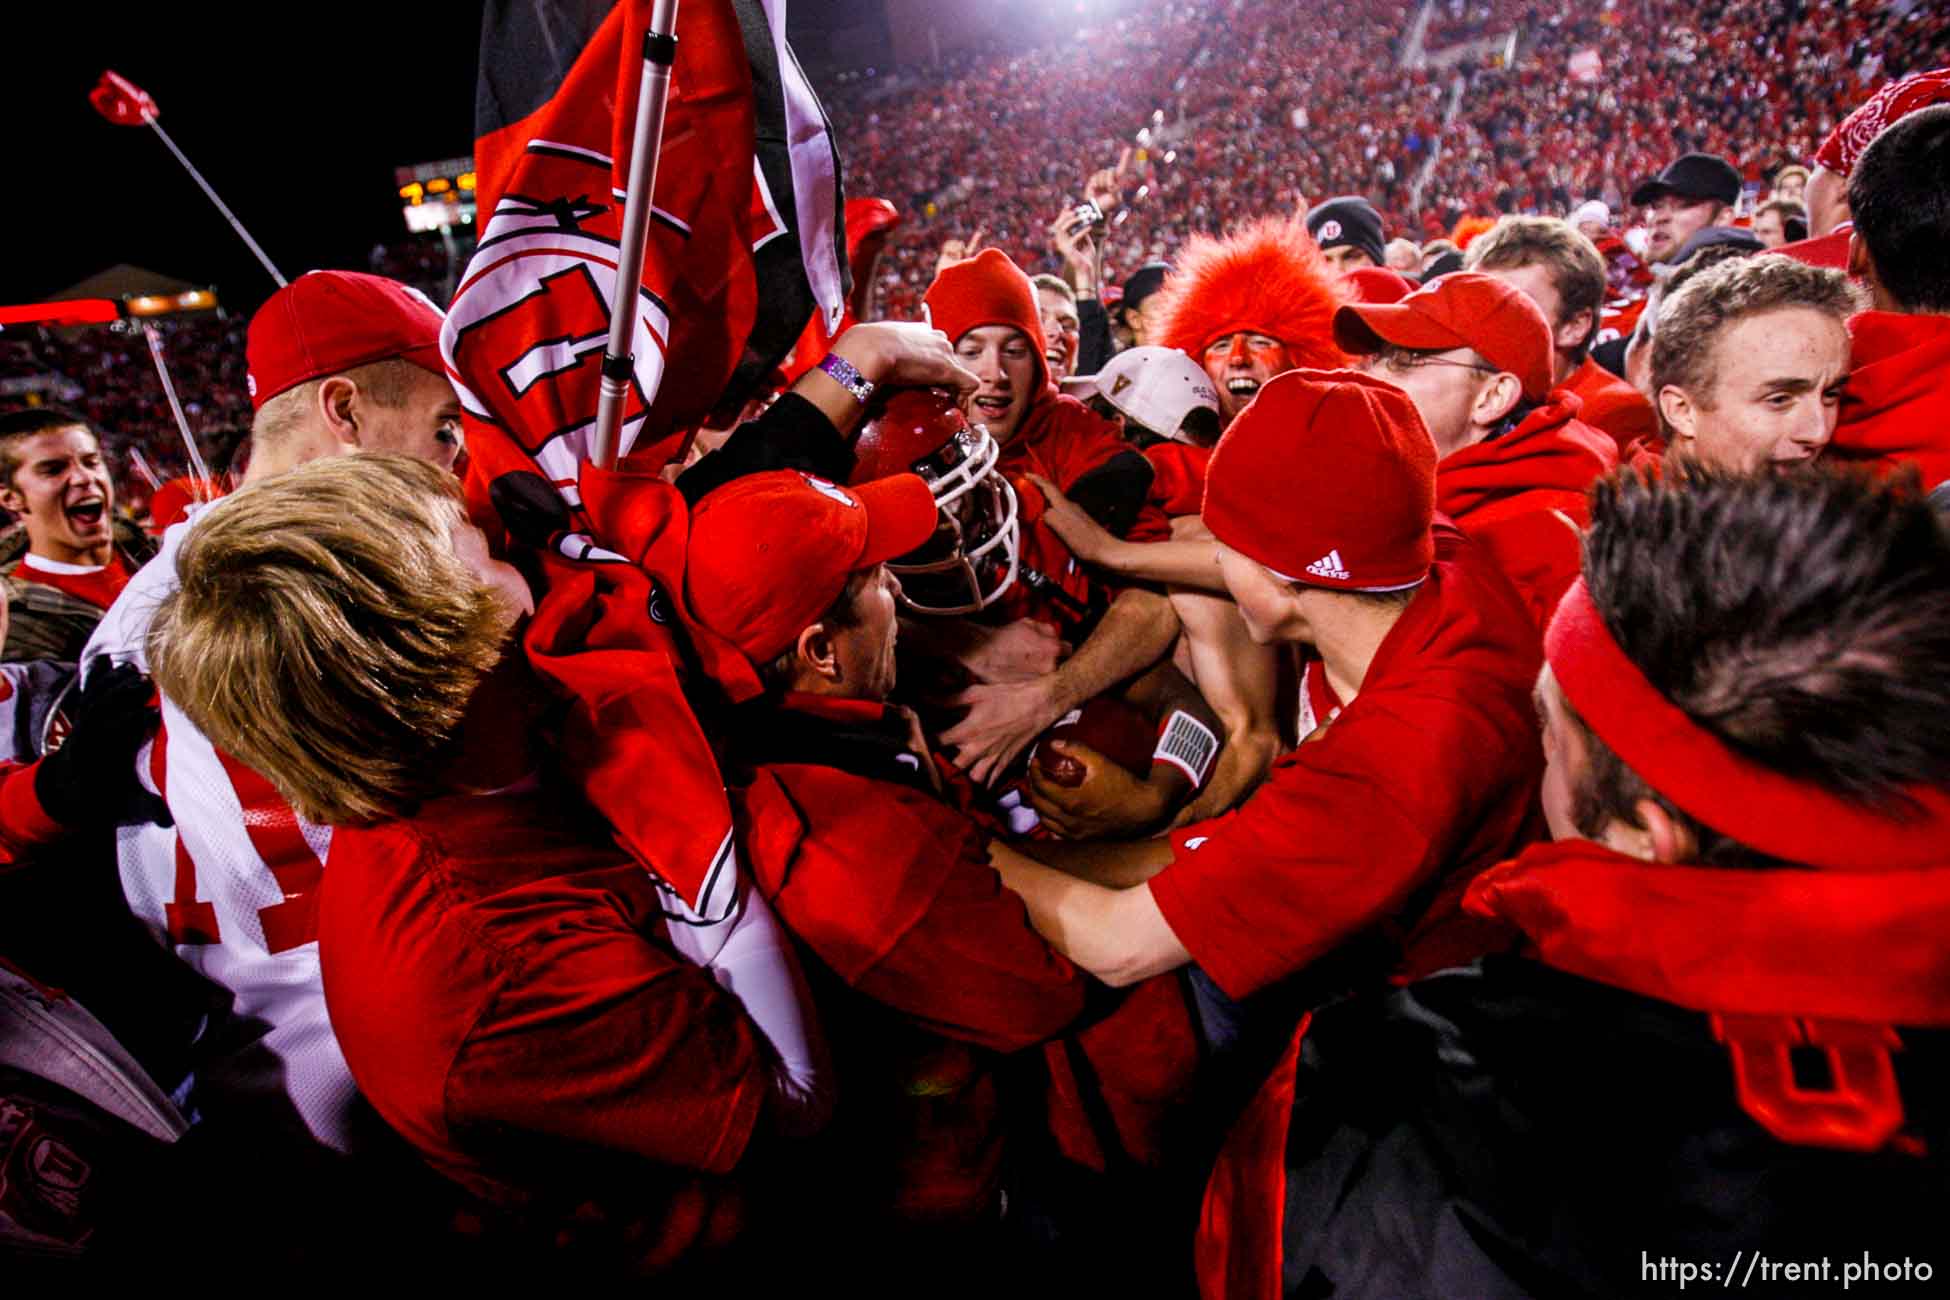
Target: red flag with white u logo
column 742, row 249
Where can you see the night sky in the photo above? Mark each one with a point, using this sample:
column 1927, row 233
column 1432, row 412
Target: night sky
column 298, row 125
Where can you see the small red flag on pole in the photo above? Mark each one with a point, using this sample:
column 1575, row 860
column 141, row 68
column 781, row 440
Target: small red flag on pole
column 124, row 103
column 121, row 101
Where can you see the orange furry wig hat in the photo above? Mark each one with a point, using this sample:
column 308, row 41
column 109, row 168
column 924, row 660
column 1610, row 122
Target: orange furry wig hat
column 1265, row 277
column 1467, row 228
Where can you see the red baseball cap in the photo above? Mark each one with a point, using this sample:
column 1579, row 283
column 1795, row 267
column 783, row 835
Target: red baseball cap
column 327, row 322
column 769, row 553
column 1327, row 478
column 987, row 289
column 1465, row 309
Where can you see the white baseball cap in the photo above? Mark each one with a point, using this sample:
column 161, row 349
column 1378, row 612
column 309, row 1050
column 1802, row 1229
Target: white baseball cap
column 1150, row 386
column 1591, row 210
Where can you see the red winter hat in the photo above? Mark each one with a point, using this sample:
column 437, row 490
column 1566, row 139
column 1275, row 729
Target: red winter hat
column 327, row 322
column 769, row 553
column 987, row 289
column 1465, row 309
column 1327, row 478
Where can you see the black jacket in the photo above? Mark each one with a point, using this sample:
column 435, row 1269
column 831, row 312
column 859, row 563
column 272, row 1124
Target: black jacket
column 1510, row 1130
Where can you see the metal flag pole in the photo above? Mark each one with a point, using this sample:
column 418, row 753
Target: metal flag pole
column 652, row 96
column 144, row 468
column 197, row 176
column 200, row 470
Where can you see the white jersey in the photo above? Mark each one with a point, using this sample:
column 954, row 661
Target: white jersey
column 232, row 887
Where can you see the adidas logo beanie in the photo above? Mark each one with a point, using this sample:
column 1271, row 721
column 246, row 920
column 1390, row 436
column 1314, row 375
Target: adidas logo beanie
column 1327, row 478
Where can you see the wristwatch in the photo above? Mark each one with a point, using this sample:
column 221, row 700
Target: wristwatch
column 842, row 372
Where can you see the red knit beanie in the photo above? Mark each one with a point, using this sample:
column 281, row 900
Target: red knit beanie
column 987, row 289
column 1327, row 478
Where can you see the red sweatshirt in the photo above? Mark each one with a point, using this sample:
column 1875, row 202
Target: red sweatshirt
column 1178, row 477
column 499, row 978
column 1508, row 492
column 1613, row 406
column 1429, row 775
column 1061, row 440
column 1896, row 408
column 98, row 586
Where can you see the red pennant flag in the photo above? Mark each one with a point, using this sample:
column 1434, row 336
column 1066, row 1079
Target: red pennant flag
column 121, row 101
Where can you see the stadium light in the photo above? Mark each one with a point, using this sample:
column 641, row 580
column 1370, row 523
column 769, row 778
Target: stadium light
column 145, row 305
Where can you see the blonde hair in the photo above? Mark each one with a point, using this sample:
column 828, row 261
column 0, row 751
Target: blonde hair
column 327, row 634
column 387, row 383
column 1055, row 284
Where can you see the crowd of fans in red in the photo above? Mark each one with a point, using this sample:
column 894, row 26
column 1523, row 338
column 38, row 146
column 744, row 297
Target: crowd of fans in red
column 117, row 387
column 1255, row 118
column 1365, row 769
column 1274, row 103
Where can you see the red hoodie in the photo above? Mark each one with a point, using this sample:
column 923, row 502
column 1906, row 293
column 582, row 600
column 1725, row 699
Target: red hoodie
column 1061, row 440
column 1506, row 494
column 1896, row 408
column 1178, row 476
column 1613, row 406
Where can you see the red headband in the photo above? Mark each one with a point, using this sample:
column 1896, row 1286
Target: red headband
column 1795, row 821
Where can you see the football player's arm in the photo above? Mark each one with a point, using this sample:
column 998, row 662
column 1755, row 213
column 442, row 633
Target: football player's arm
column 1115, row 865
column 749, row 956
column 1111, row 803
column 1118, row 935
column 92, row 779
column 811, row 426
column 1238, row 678
column 1135, row 632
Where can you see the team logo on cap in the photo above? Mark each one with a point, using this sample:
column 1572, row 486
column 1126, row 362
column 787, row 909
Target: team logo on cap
column 1118, row 385
column 831, row 491
column 1330, row 229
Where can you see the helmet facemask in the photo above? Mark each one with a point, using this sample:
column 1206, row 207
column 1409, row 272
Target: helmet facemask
column 972, row 559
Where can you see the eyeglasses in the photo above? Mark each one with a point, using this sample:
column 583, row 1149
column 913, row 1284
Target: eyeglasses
column 1401, row 362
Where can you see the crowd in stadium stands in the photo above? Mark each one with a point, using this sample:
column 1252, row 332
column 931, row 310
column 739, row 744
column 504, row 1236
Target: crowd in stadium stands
column 424, row 262
column 1535, row 138
column 108, row 374
column 1260, row 111
column 1256, row 119
column 115, row 384
column 1453, row 22
column 1404, row 754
